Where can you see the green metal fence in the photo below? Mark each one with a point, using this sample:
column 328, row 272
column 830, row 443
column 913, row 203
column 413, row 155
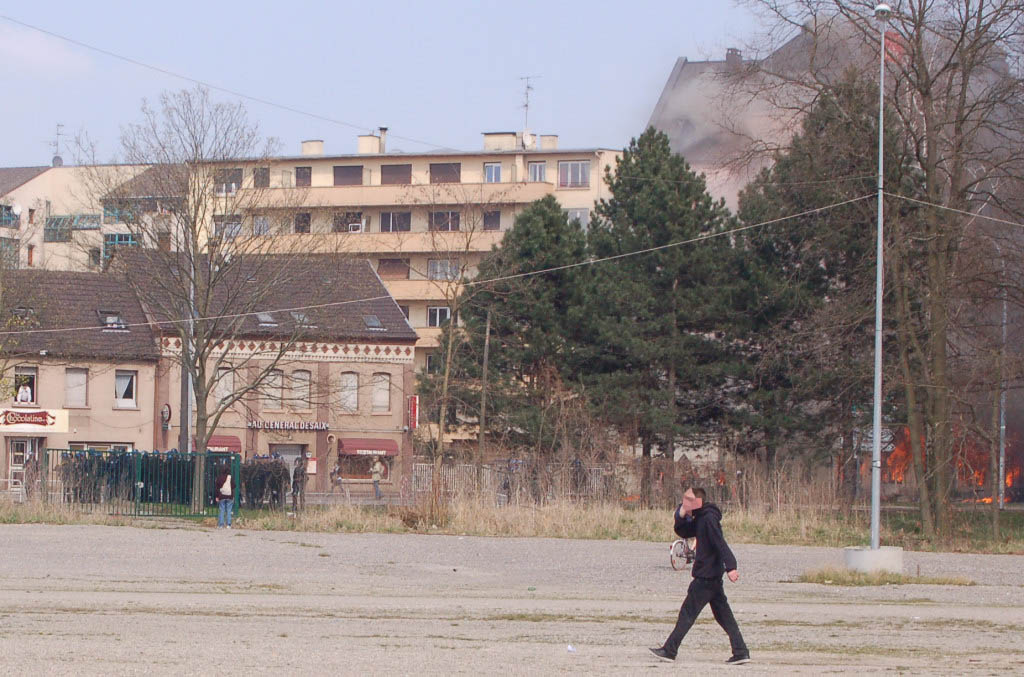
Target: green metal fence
column 133, row 483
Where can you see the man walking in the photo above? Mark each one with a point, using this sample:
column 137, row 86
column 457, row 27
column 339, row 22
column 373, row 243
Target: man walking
column 713, row 559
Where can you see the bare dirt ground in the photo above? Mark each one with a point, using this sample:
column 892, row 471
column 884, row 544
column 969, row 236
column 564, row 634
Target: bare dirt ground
column 90, row 600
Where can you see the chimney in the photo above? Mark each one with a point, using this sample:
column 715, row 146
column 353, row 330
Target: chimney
column 368, row 144
column 383, row 137
column 733, row 56
column 313, row 147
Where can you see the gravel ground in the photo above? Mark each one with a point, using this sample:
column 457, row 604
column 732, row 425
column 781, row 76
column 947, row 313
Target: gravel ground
column 90, row 600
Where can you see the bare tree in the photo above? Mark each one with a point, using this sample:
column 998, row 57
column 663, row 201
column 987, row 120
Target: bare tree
column 956, row 90
column 194, row 237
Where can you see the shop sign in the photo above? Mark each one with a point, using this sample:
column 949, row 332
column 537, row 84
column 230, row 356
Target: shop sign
column 33, row 420
column 289, row 425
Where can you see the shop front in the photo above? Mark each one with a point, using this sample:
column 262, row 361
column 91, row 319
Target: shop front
column 24, row 434
column 356, row 456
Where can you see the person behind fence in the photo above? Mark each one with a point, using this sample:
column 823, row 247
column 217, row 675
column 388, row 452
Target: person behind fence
column 376, row 474
column 299, row 483
column 224, row 486
column 693, row 518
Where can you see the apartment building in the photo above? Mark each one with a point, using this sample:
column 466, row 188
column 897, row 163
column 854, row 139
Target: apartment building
column 424, row 220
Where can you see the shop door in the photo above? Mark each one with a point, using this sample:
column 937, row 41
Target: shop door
column 18, row 452
column 288, row 454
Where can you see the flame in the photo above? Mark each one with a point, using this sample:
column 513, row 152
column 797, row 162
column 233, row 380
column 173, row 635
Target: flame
column 898, row 460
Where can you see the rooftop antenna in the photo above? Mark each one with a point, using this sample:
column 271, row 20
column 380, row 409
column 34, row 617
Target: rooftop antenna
column 527, row 88
column 57, row 160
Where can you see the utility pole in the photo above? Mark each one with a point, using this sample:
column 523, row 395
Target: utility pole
column 483, row 393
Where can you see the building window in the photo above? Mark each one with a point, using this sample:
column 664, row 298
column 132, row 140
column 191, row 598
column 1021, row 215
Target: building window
column 302, row 220
column 348, row 222
column 25, row 382
column 581, row 215
column 395, row 222
column 303, row 177
column 227, row 226
column 76, row 382
column 433, row 363
column 350, row 175
column 95, row 257
column 405, row 311
column 537, row 171
column 112, row 320
column 227, row 181
column 9, row 255
column 261, row 177
column 443, row 269
column 438, row 315
column 260, row 225
column 302, row 319
column 302, row 395
column 224, row 388
column 273, row 389
column 492, row 172
column 391, row 175
column 348, row 392
column 444, row 221
column 492, row 220
column 574, row 174
column 373, row 323
column 381, row 392
column 57, row 229
column 112, row 240
column 266, row 320
column 393, row 269
column 445, row 172
column 8, row 219
column 125, row 391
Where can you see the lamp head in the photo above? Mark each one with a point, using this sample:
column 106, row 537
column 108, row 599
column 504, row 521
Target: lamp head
column 883, row 11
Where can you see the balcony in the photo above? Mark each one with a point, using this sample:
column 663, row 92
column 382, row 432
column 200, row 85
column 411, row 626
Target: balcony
column 425, row 195
column 454, row 242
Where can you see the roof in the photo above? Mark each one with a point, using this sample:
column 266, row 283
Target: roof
column 442, row 153
column 73, row 301
column 309, row 297
column 12, row 177
column 156, row 181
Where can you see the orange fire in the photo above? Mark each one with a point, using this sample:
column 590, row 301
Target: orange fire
column 894, row 469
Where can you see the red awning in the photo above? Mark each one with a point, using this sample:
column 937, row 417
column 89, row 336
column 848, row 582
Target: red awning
column 366, row 446
column 222, row 443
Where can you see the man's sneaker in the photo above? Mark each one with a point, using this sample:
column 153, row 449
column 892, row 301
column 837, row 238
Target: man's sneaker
column 739, row 659
column 661, row 653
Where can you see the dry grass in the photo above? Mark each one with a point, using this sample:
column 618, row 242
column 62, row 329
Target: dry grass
column 35, row 512
column 847, row 577
column 775, row 524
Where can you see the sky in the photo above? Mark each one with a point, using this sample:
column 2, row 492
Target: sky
column 437, row 74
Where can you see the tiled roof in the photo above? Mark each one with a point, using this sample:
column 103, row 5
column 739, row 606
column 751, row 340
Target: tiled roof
column 341, row 290
column 12, row 177
column 67, row 300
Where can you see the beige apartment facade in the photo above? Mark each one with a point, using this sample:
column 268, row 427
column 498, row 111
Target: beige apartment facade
column 424, row 220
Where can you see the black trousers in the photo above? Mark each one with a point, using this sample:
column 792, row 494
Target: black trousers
column 705, row 591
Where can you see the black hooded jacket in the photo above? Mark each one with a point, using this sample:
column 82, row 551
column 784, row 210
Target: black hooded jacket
column 713, row 557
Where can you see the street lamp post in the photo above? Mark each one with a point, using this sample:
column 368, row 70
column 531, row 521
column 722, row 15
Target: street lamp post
column 882, row 12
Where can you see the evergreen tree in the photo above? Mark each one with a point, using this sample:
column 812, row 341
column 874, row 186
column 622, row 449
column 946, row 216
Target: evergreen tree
column 656, row 358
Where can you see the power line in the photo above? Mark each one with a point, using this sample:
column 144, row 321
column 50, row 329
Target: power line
column 241, row 95
column 953, row 209
column 699, row 238
column 469, row 283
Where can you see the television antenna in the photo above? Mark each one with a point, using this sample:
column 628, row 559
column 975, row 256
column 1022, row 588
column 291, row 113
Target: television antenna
column 527, row 88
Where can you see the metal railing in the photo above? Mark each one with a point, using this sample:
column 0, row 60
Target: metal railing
column 129, row 483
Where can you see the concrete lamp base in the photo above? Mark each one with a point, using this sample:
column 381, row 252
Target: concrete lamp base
column 866, row 560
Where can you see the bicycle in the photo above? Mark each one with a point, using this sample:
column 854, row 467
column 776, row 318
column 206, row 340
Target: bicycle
column 682, row 552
